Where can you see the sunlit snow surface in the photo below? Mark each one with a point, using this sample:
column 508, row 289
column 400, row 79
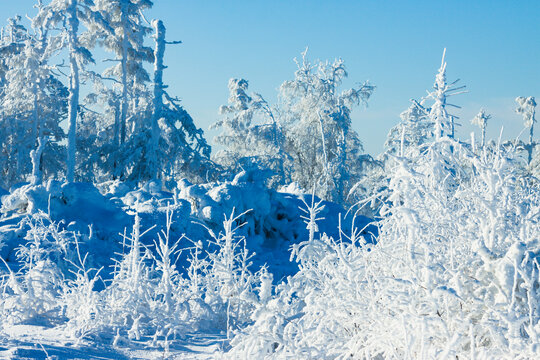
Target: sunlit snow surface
column 39, row 342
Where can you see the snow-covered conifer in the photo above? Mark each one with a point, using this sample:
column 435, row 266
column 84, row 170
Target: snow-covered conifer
column 33, row 105
column 159, row 52
column 64, row 17
column 481, row 120
column 526, row 107
column 168, row 144
column 414, row 130
column 443, row 121
column 126, row 42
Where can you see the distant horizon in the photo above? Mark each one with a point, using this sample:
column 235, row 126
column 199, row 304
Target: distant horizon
column 397, row 46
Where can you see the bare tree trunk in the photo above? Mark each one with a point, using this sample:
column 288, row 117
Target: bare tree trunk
column 158, row 96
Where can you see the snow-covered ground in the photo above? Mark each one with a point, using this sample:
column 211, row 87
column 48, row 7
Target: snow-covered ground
column 44, row 342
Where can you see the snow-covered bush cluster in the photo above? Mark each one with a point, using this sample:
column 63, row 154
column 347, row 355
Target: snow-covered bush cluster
column 146, row 296
column 454, row 272
column 96, row 280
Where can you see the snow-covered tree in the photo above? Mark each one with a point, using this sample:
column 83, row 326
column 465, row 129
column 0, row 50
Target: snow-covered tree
column 168, row 144
column 95, row 141
column 39, row 99
column 251, row 133
column 443, row 121
column 176, row 146
column 406, row 140
column 183, row 150
column 320, row 139
column 12, row 38
column 481, row 120
column 64, row 17
column 308, row 139
column 414, row 129
column 526, row 107
column 126, row 42
column 33, row 105
column 159, row 88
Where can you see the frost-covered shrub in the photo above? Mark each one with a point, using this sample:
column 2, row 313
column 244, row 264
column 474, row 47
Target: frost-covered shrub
column 149, row 299
column 129, row 293
column 34, row 289
column 454, row 272
column 82, row 305
column 229, row 283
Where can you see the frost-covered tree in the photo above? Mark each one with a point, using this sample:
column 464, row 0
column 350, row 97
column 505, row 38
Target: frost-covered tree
column 126, row 42
column 251, row 133
column 12, row 38
column 63, row 17
column 481, row 120
column 159, row 89
column 307, row 139
column 443, row 121
column 37, row 98
column 95, row 143
column 183, row 150
column 167, row 142
column 33, row 105
column 176, row 147
column 320, row 139
column 405, row 140
column 526, row 107
column 414, row 129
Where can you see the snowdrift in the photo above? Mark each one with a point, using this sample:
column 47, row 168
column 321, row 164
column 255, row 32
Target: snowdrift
column 101, row 213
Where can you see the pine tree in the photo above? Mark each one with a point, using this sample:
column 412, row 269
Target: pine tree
column 443, row 121
column 126, row 42
column 35, row 101
column 172, row 146
column 414, row 129
column 159, row 88
column 12, row 155
column 526, row 107
column 481, row 120
column 64, row 17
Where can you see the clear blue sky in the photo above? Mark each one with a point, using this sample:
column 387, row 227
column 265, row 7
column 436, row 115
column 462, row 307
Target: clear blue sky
column 492, row 46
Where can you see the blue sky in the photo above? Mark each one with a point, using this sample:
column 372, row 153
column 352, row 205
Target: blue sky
column 492, row 46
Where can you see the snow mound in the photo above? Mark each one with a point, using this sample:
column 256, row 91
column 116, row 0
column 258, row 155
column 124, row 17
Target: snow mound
column 102, row 212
